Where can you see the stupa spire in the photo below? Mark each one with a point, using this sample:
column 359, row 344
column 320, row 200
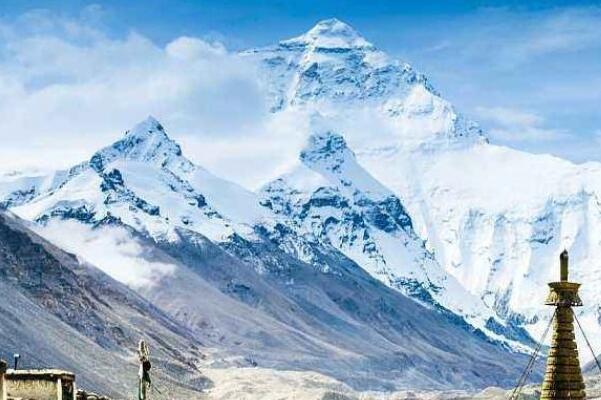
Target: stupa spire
column 563, row 266
column 563, row 376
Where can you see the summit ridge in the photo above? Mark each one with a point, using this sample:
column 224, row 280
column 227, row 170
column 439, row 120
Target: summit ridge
column 330, row 34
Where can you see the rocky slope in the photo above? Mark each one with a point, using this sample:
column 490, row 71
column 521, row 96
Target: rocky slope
column 58, row 312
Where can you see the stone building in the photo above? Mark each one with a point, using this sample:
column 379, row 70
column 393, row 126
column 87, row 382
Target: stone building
column 38, row 384
column 41, row 384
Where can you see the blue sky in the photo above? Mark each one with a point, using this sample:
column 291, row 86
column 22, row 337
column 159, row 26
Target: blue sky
column 527, row 71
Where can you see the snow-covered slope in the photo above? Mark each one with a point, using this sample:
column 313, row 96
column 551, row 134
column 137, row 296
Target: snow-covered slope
column 494, row 218
column 145, row 182
column 331, row 68
column 331, row 199
column 19, row 188
column 333, row 62
column 497, row 219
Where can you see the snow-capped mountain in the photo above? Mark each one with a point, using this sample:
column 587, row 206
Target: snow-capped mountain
column 333, row 62
column 331, row 199
column 494, row 218
column 145, row 182
column 254, row 284
column 334, row 70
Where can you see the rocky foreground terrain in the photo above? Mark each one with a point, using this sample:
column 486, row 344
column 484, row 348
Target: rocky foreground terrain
column 262, row 384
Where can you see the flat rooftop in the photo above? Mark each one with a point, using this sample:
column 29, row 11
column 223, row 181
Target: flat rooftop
column 40, row 374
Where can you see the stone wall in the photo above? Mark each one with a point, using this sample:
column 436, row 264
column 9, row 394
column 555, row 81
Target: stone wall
column 34, row 389
column 41, row 385
column 3, row 367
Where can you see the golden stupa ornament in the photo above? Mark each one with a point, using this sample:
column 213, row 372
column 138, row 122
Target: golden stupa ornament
column 563, row 376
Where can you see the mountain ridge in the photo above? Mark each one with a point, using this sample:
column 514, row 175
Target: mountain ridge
column 495, row 218
column 123, row 209
column 331, row 198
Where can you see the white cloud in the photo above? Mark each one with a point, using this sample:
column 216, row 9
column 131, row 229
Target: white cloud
column 251, row 159
column 508, row 38
column 112, row 250
column 510, row 125
column 190, row 49
column 570, row 30
column 67, row 89
column 508, row 116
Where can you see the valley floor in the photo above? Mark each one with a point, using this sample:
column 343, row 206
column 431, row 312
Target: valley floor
column 266, row 384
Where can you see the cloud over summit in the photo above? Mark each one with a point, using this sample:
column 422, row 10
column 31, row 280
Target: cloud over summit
column 68, row 88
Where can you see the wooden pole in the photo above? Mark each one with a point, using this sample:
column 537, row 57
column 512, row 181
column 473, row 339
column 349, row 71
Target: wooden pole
column 144, row 371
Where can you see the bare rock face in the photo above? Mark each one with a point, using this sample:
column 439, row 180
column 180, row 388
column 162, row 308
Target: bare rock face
column 90, row 323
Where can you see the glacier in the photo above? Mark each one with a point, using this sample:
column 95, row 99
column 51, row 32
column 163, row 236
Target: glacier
column 329, row 197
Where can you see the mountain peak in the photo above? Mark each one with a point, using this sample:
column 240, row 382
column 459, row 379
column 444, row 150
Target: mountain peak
column 332, row 27
column 149, row 131
column 147, row 141
column 150, row 124
column 331, row 33
column 324, row 142
column 325, row 149
column 328, row 154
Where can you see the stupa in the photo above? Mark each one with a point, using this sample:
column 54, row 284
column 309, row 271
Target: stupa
column 563, row 376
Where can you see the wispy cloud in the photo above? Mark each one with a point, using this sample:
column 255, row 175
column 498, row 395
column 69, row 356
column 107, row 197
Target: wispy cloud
column 113, row 250
column 556, row 32
column 531, row 77
column 506, row 38
column 511, row 125
column 68, row 88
